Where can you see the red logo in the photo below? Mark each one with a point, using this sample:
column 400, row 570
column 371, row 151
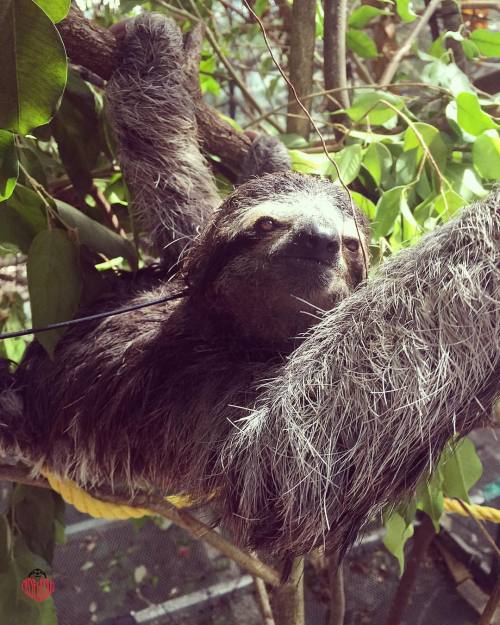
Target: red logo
column 37, row 585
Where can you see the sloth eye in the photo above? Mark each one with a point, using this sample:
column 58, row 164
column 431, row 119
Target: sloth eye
column 352, row 244
column 265, row 224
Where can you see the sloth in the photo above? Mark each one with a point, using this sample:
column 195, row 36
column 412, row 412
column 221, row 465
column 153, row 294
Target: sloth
column 148, row 398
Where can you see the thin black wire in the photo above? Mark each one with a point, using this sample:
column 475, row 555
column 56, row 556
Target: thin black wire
column 108, row 313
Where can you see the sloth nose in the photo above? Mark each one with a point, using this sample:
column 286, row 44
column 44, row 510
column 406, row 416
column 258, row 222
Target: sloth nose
column 317, row 243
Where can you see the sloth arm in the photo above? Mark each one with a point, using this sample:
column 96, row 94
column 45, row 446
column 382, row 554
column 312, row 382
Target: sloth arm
column 153, row 118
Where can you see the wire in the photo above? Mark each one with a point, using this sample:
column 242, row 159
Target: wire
column 102, row 315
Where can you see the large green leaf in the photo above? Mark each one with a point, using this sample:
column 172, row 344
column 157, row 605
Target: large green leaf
column 77, row 133
column 33, row 66
column 461, row 469
column 54, row 282
column 348, row 161
column 21, row 218
column 389, row 206
column 470, row 116
column 370, row 107
column 487, row 41
column 397, row 532
column 9, row 166
column 55, row 9
column 486, row 156
column 361, row 16
column 366, row 205
column 421, row 133
column 378, row 161
column 360, row 43
column 94, row 235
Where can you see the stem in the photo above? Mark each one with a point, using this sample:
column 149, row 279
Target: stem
column 421, row 540
column 263, row 601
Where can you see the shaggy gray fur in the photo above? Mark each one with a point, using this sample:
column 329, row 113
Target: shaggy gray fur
column 367, row 403
column 153, row 117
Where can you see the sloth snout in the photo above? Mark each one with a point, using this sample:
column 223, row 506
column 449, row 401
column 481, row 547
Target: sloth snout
column 316, row 242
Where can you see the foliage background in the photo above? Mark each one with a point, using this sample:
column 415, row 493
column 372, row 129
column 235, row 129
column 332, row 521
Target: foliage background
column 415, row 141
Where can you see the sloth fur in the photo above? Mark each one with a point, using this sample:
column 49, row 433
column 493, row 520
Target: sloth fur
column 299, row 441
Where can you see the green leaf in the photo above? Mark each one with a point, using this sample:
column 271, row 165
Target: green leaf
column 54, row 283
column 397, row 533
column 366, row 205
column 55, row 9
column 449, row 76
column 406, row 167
column 486, row 156
column 471, row 117
column 360, row 43
column 461, row 469
column 94, row 235
column 430, row 136
column 33, row 66
column 364, row 14
column 77, row 132
column 370, row 107
column 448, row 203
column 431, row 501
column 378, row 161
column 34, row 511
column 9, row 166
column 405, row 10
column 465, row 181
column 389, row 207
column 21, row 218
column 15, row 607
column 349, row 163
column 487, row 41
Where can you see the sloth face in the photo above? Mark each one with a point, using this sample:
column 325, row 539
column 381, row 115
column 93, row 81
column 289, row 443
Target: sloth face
column 277, row 261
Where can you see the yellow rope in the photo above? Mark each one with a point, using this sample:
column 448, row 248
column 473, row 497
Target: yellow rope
column 82, row 501
column 482, row 513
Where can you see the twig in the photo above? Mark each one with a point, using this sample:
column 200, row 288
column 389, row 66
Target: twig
column 392, row 68
column 481, row 527
column 263, row 601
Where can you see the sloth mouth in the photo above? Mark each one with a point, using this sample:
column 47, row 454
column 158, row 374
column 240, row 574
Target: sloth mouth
column 308, row 260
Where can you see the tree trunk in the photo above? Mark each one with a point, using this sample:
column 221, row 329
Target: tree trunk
column 300, row 63
column 288, row 599
column 337, row 595
column 334, row 51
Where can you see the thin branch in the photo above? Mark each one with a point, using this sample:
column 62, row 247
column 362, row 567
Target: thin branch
column 392, row 68
column 335, row 50
column 263, row 601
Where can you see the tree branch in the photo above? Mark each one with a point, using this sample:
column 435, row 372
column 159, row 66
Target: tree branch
column 96, row 49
